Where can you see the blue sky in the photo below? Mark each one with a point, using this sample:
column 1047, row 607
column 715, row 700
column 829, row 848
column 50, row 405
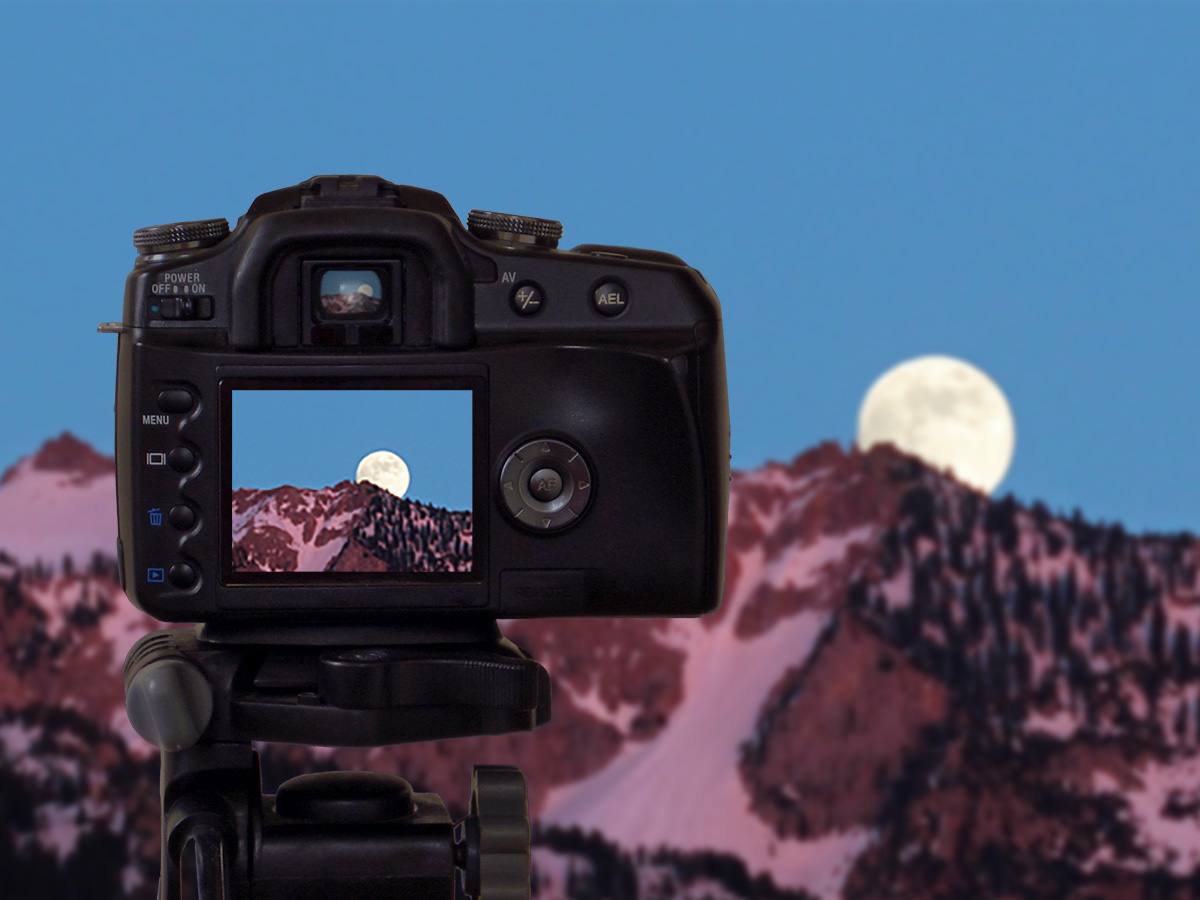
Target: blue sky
column 1015, row 184
column 316, row 438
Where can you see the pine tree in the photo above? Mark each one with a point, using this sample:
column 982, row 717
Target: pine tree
column 1181, row 654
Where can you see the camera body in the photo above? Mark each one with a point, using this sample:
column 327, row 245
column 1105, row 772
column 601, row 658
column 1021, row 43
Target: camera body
column 537, row 432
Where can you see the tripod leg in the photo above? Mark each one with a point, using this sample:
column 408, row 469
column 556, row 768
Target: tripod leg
column 212, row 875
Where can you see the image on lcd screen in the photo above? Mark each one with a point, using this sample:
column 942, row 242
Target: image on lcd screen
column 351, row 481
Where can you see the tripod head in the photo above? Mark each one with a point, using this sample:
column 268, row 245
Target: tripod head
column 350, row 835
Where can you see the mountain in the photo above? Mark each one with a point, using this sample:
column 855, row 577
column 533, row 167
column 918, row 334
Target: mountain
column 910, row 691
column 58, row 502
column 349, row 527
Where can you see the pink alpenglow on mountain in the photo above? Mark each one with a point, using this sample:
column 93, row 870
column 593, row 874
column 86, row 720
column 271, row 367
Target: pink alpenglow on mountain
column 346, row 528
column 911, row 691
column 59, row 502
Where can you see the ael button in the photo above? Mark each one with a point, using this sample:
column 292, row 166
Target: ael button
column 610, row 298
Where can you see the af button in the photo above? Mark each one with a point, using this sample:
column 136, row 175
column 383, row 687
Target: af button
column 545, row 485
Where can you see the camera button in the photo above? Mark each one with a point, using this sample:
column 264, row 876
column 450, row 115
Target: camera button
column 182, row 575
column 181, row 459
column 527, row 299
column 545, row 485
column 610, row 299
column 182, row 517
column 175, row 400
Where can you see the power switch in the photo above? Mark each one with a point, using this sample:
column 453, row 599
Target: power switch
column 198, row 307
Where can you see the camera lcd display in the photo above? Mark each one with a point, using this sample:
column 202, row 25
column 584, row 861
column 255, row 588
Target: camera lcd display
column 352, row 481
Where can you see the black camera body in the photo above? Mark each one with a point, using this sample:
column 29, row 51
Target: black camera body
column 542, row 432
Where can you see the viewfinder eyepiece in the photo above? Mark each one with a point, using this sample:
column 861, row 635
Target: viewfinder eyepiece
column 351, row 294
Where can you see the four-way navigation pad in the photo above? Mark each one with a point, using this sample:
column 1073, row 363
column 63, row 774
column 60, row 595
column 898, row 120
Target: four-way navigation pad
column 545, row 484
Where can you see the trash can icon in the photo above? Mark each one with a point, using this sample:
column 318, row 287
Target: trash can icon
column 156, row 516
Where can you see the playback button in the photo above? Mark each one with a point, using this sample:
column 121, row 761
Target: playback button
column 181, row 575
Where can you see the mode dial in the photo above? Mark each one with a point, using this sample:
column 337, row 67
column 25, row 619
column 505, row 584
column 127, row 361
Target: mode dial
column 494, row 226
column 180, row 236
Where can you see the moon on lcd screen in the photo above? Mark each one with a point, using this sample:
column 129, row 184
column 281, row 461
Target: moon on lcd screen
column 370, row 292
column 384, row 469
column 945, row 411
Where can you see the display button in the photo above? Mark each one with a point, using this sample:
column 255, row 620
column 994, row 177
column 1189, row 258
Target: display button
column 181, row 459
column 182, row 575
column 610, row 299
column 175, row 400
column 527, row 299
column 182, row 517
column 545, row 485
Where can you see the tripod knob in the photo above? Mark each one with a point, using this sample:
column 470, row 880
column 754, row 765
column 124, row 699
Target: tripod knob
column 493, row 840
column 169, row 702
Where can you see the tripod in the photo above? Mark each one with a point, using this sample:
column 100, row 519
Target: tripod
column 343, row 835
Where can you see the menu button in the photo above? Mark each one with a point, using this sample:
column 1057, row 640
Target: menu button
column 175, row 400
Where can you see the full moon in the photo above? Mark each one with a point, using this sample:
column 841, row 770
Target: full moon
column 384, row 469
column 945, row 411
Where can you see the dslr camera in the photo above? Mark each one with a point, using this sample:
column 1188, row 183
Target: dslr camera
column 351, row 435
column 535, row 432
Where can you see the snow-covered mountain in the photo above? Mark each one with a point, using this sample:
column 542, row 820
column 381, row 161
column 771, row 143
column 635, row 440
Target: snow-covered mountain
column 910, row 691
column 61, row 501
column 349, row 527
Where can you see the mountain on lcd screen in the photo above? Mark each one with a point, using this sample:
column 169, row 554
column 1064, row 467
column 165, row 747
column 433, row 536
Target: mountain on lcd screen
column 910, row 691
column 350, row 527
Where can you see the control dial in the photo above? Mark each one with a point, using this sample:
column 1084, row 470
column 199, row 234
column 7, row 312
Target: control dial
column 545, row 485
column 494, row 226
column 180, row 236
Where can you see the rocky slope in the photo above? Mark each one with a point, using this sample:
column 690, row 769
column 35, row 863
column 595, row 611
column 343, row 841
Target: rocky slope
column 348, row 527
column 911, row 691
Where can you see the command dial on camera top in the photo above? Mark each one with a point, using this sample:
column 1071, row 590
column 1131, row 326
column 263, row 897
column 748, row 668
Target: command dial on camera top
column 494, row 226
column 180, row 236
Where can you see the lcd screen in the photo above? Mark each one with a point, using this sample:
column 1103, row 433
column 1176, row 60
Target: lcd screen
column 351, row 481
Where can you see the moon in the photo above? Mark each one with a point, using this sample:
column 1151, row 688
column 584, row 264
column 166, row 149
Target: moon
column 945, row 411
column 384, row 469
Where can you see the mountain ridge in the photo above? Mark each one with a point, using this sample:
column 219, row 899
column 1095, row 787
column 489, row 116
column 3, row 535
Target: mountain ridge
column 911, row 690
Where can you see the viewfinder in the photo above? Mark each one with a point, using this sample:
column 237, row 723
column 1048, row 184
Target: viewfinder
column 351, row 294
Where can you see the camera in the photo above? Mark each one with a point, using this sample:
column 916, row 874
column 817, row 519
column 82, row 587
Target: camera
column 352, row 435
column 351, row 416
